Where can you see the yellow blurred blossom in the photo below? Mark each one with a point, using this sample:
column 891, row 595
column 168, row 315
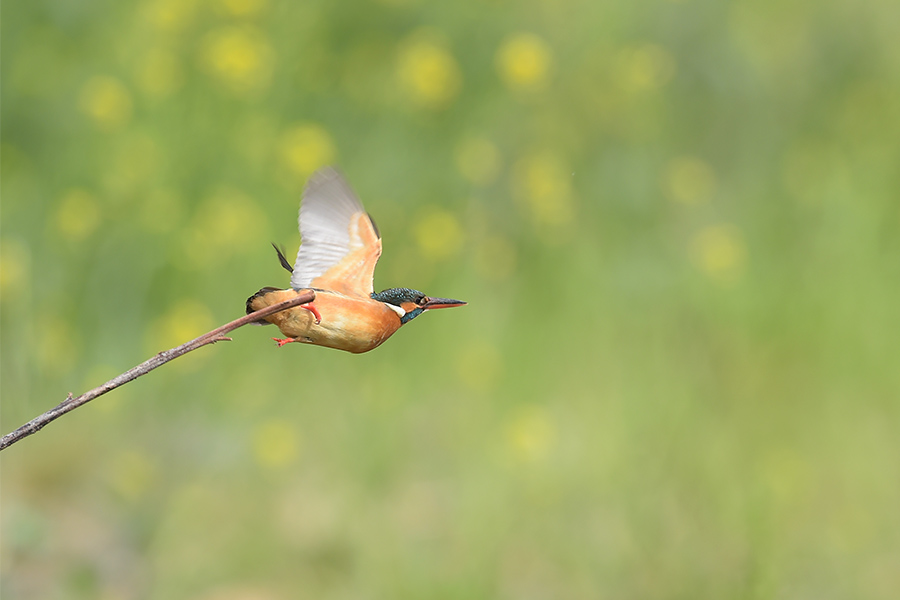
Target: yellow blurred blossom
column 56, row 345
column 305, row 147
column 106, row 101
column 78, row 214
column 160, row 73
column 276, row 443
column 133, row 474
column 183, row 322
column 524, row 61
column 226, row 221
column 438, row 234
column 495, row 258
column 479, row 365
column 478, row 159
column 243, row 8
column 689, row 180
column 719, row 252
column 644, row 68
column 239, row 57
column 170, row 15
column 530, row 434
column 786, row 475
column 428, row 72
column 14, row 261
column 542, row 182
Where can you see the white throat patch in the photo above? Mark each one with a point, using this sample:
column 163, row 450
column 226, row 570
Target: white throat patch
column 400, row 312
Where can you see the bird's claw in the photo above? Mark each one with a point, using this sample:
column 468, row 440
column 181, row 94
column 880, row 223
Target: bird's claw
column 284, row 341
column 314, row 311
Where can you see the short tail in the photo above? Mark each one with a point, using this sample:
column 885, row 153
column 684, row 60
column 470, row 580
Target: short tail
column 252, row 305
column 251, row 300
column 284, row 261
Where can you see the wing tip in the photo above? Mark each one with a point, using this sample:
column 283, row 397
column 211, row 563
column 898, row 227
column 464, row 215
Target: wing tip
column 374, row 226
column 323, row 175
column 331, row 183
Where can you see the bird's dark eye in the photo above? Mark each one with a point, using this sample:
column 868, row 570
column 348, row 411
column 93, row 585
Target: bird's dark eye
column 422, row 300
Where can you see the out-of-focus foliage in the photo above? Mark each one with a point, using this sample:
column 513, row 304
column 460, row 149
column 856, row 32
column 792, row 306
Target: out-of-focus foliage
column 676, row 223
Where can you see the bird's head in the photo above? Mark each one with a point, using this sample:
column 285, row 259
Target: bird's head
column 409, row 304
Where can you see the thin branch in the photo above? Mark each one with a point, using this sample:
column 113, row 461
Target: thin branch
column 216, row 335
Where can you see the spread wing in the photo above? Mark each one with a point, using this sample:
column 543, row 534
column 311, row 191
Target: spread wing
column 339, row 241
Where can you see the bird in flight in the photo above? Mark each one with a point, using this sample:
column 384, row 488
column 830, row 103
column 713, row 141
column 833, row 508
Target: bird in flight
column 340, row 246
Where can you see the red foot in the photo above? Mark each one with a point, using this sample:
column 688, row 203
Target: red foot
column 314, row 311
column 284, row 341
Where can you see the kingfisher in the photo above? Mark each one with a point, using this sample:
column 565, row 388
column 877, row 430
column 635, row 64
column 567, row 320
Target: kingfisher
column 339, row 248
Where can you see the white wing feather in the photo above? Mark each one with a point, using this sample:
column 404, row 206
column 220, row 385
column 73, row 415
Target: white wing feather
column 326, row 210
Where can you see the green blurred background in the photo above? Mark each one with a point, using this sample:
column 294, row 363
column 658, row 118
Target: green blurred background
column 676, row 224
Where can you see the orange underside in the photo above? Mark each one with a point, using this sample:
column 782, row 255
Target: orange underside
column 348, row 323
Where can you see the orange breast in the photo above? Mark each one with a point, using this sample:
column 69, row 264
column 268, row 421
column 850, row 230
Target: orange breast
column 348, row 323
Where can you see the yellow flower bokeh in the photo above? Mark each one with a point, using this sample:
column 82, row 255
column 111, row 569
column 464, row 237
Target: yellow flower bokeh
column 689, row 180
column 543, row 184
column 719, row 251
column 78, row 214
column 160, row 73
column 14, row 267
column 785, row 474
column 243, row 8
column 226, row 221
column 530, row 434
column 240, row 57
column 645, row 67
column 107, row 102
column 428, row 72
column 439, row 234
column 478, row 160
column 170, row 15
column 305, row 147
column 276, row 443
column 184, row 321
column 524, row 61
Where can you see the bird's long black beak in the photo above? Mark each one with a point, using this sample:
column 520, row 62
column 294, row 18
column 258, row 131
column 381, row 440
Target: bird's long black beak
column 441, row 303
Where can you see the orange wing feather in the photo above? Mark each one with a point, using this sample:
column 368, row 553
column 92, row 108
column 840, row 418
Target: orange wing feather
column 353, row 275
column 340, row 243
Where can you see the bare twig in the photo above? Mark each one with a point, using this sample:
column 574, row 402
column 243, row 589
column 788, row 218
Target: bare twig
column 216, row 335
